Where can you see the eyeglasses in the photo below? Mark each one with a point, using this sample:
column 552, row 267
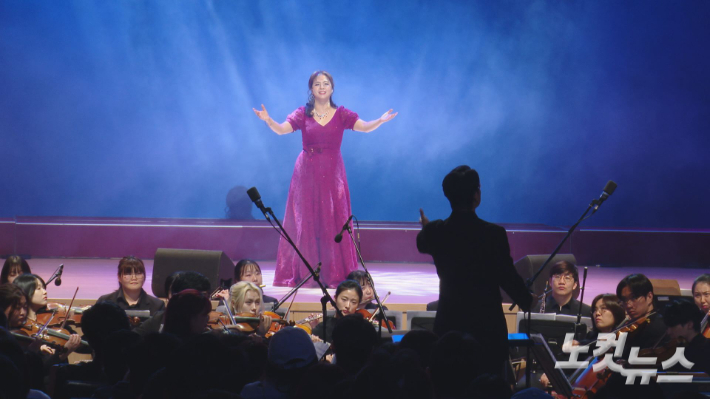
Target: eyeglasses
column 601, row 309
column 132, row 274
column 628, row 301
column 567, row 278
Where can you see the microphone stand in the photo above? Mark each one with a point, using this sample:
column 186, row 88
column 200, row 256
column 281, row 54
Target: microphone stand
column 579, row 328
column 372, row 283
column 293, row 291
column 316, row 277
column 56, row 274
column 530, row 281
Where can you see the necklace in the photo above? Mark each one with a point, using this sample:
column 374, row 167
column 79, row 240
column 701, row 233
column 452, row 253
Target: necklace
column 320, row 117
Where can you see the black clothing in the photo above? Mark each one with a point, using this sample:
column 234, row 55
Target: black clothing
column 432, row 306
column 151, row 325
column 570, row 308
column 649, row 336
column 145, row 302
column 698, row 352
column 472, row 259
column 330, row 324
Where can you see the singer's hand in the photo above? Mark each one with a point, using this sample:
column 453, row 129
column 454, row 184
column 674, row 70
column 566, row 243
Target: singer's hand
column 263, row 114
column 422, row 217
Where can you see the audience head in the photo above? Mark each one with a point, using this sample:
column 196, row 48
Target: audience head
column 15, row 374
column 190, row 280
column 187, row 313
column 291, row 353
column 131, row 273
column 455, row 362
column 354, row 339
column 462, row 187
column 368, row 294
column 246, row 297
column 635, row 293
column 701, row 292
column 606, row 312
column 564, row 278
column 169, row 282
column 14, row 266
column 348, row 296
column 683, row 319
column 421, row 342
column 34, row 287
column 100, row 321
column 14, row 304
column 248, row 270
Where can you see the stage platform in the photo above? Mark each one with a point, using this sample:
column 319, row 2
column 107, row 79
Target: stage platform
column 90, row 248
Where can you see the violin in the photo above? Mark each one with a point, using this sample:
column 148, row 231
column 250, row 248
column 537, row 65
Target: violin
column 51, row 336
column 57, row 314
column 305, row 324
column 588, row 383
column 244, row 322
column 705, row 326
column 371, row 316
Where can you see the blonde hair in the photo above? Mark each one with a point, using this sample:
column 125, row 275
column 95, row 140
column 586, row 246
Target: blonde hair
column 238, row 292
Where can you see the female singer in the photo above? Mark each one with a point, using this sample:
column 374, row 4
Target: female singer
column 701, row 292
column 246, row 298
column 14, row 266
column 36, row 290
column 318, row 199
column 130, row 294
column 348, row 296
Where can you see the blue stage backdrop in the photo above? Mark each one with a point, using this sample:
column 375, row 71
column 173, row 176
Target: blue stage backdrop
column 144, row 108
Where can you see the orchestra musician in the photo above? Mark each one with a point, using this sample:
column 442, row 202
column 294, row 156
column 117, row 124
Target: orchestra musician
column 246, row 299
column 14, row 266
column 14, row 304
column 247, row 270
column 187, row 313
column 130, row 294
column 564, row 281
column 683, row 319
column 635, row 293
column 701, row 292
column 348, row 296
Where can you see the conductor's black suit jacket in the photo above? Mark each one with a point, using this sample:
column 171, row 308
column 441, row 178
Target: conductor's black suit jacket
column 472, row 259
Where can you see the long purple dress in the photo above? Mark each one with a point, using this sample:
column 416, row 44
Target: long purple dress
column 318, row 204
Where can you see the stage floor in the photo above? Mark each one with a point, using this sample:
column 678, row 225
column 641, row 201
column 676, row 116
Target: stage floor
column 412, row 284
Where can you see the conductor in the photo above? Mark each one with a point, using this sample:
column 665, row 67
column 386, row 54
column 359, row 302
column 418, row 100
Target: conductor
column 472, row 259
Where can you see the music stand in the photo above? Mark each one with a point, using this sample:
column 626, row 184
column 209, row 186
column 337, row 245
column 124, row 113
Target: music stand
column 546, row 360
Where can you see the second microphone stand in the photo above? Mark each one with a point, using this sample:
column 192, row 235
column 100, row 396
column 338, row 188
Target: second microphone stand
column 372, row 283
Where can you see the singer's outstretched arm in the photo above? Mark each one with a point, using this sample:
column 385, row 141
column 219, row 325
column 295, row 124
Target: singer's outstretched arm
column 367, row 127
column 278, row 128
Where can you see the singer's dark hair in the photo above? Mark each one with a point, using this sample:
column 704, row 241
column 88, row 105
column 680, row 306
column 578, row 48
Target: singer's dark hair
column 311, row 99
column 28, row 284
column 682, row 311
column 244, row 266
column 349, row 285
column 611, row 302
column 460, row 187
column 12, row 262
column 565, row 267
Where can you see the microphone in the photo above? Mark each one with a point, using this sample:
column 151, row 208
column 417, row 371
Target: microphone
column 254, row 196
column 608, row 190
column 58, row 279
column 339, row 237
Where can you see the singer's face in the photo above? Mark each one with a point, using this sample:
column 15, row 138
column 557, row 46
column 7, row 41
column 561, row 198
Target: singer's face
column 15, row 271
column 322, row 88
column 252, row 274
column 347, row 301
column 39, row 299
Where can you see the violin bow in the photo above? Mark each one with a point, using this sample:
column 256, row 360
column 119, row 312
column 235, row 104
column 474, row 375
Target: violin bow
column 66, row 316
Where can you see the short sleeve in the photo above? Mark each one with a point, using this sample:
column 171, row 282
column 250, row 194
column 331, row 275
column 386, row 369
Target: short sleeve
column 348, row 117
column 297, row 118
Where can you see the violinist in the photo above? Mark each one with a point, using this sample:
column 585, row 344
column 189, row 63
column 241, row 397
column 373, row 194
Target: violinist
column 14, row 304
column 14, row 266
column 701, row 293
column 36, row 290
column 683, row 323
column 250, row 271
column 564, row 282
column 348, row 296
column 130, row 294
column 246, row 299
column 187, row 314
column 635, row 293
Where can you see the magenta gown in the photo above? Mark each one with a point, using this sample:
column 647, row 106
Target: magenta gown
column 318, row 204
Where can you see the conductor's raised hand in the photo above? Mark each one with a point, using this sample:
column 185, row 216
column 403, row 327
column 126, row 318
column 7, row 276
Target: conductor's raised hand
column 388, row 116
column 422, row 217
column 263, row 114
